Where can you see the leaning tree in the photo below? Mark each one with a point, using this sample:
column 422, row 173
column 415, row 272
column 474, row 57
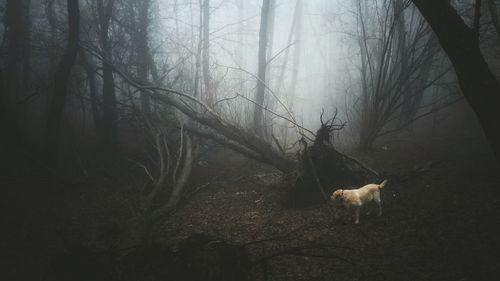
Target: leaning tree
column 476, row 80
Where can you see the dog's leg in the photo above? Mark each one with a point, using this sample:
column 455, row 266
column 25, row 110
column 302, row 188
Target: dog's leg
column 379, row 202
column 356, row 214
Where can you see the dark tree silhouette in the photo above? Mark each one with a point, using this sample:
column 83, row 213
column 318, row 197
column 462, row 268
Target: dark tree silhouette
column 110, row 112
column 17, row 27
column 477, row 82
column 61, row 77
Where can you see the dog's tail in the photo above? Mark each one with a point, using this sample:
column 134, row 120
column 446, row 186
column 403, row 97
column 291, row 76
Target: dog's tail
column 382, row 184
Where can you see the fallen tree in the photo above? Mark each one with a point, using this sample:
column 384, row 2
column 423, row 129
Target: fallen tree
column 223, row 132
column 317, row 165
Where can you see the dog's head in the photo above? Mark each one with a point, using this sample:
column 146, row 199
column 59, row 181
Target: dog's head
column 338, row 194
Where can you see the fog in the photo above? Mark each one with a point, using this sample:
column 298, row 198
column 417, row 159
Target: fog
column 322, row 46
column 225, row 140
column 374, row 65
column 313, row 59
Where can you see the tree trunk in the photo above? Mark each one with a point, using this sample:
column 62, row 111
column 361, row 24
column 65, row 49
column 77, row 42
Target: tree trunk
column 4, row 121
column 365, row 130
column 142, row 51
column 268, row 101
column 296, row 52
column 94, row 103
column 270, row 37
column 198, row 53
column 26, row 46
column 110, row 115
column 401, row 52
column 240, row 59
column 365, row 141
column 61, row 78
column 14, row 35
column 52, row 20
column 261, row 74
column 476, row 80
column 209, row 94
column 293, row 31
column 50, row 12
column 180, row 183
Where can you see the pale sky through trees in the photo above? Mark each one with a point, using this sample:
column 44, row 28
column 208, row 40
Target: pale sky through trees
column 322, row 55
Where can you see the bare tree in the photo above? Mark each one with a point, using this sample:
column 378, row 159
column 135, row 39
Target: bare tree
column 396, row 55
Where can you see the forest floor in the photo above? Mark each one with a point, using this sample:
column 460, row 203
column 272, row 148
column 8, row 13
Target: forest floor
column 443, row 224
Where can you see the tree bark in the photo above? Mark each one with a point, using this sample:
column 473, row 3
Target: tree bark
column 61, row 78
column 476, row 80
column 261, row 73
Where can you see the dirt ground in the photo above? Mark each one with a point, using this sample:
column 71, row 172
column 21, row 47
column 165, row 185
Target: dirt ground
column 441, row 224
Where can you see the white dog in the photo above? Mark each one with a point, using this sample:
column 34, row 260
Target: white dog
column 356, row 198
